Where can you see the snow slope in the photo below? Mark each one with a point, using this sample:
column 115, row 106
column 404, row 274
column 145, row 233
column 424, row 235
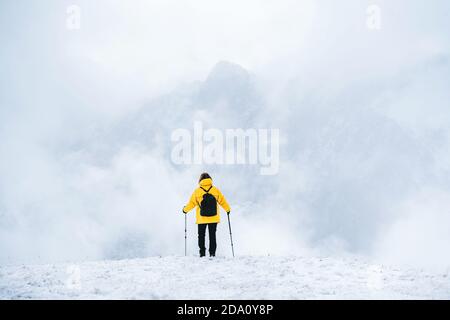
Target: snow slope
column 244, row 277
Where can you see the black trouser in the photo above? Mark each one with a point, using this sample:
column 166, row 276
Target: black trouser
column 212, row 227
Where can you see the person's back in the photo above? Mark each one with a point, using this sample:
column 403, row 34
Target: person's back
column 207, row 199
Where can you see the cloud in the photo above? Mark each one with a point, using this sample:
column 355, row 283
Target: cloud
column 86, row 118
column 419, row 236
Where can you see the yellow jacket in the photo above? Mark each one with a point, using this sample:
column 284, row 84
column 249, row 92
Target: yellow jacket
column 197, row 197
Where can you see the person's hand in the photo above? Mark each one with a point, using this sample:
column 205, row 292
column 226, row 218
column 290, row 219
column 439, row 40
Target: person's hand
column 228, row 213
column 183, row 211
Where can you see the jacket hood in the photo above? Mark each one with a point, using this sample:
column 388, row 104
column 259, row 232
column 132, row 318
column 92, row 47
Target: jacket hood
column 205, row 183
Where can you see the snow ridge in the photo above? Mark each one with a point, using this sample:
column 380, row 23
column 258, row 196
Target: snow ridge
column 246, row 277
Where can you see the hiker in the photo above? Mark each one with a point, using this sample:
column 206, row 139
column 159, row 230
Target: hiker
column 207, row 199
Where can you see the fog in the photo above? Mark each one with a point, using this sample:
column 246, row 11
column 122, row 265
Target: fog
column 86, row 118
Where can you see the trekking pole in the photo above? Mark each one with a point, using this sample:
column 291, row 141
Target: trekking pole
column 231, row 235
column 185, row 235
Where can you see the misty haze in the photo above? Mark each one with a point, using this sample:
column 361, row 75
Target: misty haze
column 91, row 96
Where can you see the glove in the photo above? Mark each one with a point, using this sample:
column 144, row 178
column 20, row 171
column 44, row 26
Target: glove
column 228, row 213
column 184, row 212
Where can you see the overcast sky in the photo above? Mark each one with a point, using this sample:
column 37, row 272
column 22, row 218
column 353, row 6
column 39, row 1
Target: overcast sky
column 363, row 114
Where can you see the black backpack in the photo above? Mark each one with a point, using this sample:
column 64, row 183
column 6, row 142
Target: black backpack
column 208, row 206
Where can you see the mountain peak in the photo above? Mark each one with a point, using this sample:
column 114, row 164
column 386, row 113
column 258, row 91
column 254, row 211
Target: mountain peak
column 227, row 71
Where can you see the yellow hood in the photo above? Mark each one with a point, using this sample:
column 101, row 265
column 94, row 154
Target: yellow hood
column 206, row 183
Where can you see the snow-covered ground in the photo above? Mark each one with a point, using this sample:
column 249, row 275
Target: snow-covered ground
column 244, row 277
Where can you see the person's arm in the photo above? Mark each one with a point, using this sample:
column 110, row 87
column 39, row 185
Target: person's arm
column 223, row 202
column 192, row 203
